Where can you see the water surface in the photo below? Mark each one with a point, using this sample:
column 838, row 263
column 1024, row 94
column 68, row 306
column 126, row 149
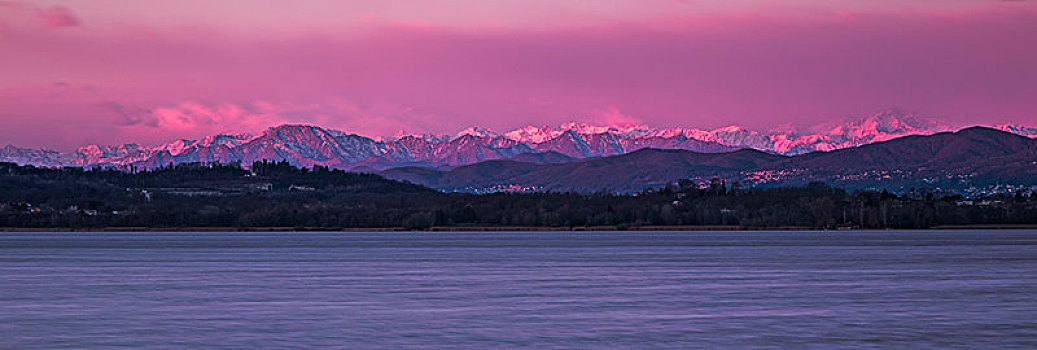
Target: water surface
column 542, row 290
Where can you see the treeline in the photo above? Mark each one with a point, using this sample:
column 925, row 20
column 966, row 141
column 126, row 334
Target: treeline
column 279, row 195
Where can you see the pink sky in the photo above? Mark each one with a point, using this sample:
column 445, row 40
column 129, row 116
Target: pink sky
column 111, row 71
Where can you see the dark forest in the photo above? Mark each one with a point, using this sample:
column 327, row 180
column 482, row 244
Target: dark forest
column 278, row 195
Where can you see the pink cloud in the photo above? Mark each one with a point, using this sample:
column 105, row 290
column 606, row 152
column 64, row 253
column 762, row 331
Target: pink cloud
column 195, row 120
column 20, row 15
column 58, row 16
column 612, row 116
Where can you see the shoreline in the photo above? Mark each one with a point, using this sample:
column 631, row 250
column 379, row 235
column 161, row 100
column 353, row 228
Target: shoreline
column 501, row 229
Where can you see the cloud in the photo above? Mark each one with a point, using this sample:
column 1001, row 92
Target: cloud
column 155, row 84
column 124, row 115
column 58, row 16
column 19, row 15
column 198, row 117
column 612, row 116
column 195, row 119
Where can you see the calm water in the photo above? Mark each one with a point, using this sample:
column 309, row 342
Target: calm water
column 519, row 290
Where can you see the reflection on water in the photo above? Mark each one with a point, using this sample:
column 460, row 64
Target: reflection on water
column 611, row 290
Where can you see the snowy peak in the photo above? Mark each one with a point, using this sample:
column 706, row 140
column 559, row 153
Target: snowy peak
column 729, row 129
column 881, row 126
column 476, row 131
column 534, row 134
column 430, row 138
column 620, row 130
column 886, row 125
column 295, row 130
column 177, row 147
column 225, row 140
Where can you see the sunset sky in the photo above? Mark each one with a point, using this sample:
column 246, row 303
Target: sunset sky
column 110, row 71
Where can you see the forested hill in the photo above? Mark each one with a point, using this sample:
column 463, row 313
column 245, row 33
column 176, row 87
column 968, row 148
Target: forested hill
column 264, row 176
column 268, row 194
column 281, row 196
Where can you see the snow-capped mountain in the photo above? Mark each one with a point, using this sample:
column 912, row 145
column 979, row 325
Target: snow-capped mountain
column 476, row 131
column 533, row 135
column 38, row 157
column 126, row 154
column 307, row 145
column 882, row 126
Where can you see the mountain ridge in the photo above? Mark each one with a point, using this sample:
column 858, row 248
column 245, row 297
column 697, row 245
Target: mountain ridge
column 967, row 160
column 309, row 145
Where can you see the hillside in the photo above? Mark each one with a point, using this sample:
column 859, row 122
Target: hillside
column 973, row 157
column 279, row 196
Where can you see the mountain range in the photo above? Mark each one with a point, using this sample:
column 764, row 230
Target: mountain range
column 305, row 145
column 971, row 160
column 888, row 148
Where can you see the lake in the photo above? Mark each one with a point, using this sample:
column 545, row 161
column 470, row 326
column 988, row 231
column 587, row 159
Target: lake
column 539, row 290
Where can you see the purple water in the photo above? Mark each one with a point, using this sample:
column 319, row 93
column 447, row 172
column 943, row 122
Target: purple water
column 610, row 290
